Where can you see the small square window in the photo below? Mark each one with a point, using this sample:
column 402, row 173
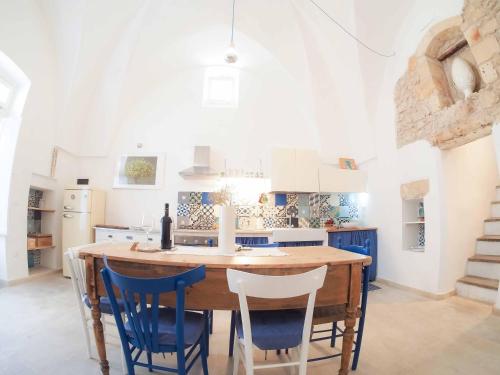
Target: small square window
column 221, row 87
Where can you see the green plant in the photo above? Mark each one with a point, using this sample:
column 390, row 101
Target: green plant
column 137, row 168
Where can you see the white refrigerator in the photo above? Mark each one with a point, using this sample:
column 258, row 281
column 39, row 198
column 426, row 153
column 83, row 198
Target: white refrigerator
column 84, row 208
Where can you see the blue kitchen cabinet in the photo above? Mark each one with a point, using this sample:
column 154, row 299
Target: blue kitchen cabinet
column 301, row 243
column 358, row 237
column 249, row 241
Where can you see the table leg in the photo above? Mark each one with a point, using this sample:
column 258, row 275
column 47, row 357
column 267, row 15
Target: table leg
column 99, row 335
column 347, row 341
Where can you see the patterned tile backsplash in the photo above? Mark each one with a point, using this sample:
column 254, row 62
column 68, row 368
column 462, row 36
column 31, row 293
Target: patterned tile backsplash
column 196, row 211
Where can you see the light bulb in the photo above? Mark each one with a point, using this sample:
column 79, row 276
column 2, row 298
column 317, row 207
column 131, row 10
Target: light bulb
column 231, row 56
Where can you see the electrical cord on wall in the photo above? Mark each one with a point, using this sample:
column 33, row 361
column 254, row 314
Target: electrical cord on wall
column 359, row 41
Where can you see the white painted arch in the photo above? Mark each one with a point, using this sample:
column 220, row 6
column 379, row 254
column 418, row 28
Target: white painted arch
column 10, row 125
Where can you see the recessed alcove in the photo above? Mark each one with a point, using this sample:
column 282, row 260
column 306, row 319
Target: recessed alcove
column 429, row 106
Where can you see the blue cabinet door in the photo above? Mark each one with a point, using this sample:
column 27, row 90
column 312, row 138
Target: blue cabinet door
column 251, row 241
column 301, row 243
column 358, row 237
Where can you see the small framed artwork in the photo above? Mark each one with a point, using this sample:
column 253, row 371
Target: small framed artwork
column 139, row 171
column 347, row 163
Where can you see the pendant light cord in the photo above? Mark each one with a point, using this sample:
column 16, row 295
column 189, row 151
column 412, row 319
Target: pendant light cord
column 232, row 25
column 359, row 41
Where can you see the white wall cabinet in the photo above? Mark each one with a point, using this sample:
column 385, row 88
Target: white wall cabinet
column 294, row 170
column 332, row 179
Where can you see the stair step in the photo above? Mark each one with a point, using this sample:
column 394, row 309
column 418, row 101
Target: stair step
column 482, row 282
column 485, row 258
column 489, row 238
column 492, row 226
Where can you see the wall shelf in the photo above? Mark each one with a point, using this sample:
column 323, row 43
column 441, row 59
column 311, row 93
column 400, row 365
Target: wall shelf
column 413, row 225
column 41, row 209
column 41, row 247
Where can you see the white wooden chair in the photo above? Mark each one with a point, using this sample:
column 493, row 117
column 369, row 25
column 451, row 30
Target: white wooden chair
column 271, row 330
column 77, row 272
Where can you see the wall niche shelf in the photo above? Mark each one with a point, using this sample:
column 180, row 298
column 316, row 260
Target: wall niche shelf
column 41, row 248
column 41, row 209
column 40, row 231
column 414, row 225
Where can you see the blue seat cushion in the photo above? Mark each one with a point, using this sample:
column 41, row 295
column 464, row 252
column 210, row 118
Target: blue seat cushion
column 276, row 329
column 194, row 325
column 105, row 304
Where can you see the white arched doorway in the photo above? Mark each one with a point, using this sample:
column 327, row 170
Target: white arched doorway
column 14, row 87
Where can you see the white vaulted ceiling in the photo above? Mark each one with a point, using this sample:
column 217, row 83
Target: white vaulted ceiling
column 112, row 54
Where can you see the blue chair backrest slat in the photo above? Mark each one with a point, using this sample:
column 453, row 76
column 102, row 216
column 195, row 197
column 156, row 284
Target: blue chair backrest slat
column 143, row 318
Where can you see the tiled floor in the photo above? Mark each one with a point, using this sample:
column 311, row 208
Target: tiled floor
column 40, row 333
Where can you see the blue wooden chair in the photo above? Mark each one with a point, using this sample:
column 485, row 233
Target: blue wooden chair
column 153, row 329
column 338, row 332
column 232, row 328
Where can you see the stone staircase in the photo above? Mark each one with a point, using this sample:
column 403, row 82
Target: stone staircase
column 483, row 269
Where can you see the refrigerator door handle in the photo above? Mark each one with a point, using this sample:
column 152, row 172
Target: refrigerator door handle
column 68, row 208
column 68, row 216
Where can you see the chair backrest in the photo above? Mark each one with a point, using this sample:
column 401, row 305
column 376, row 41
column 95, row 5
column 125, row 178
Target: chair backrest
column 141, row 297
column 363, row 250
column 262, row 286
column 77, row 267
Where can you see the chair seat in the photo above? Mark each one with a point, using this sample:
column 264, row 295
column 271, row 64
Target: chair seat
column 194, row 325
column 272, row 330
column 104, row 304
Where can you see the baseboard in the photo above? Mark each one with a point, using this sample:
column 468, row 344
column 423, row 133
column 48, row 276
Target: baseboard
column 423, row 293
column 22, row 280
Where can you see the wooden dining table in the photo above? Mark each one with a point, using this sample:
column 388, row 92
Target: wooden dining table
column 341, row 288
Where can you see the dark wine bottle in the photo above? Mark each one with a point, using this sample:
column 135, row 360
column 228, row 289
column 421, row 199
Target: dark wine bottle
column 166, row 230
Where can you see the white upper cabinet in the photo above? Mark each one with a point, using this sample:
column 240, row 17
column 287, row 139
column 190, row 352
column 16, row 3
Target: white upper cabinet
column 294, row 170
column 332, row 179
column 282, row 169
column 306, row 171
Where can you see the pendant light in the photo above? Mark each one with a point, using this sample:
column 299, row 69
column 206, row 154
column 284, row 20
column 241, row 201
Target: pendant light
column 231, row 56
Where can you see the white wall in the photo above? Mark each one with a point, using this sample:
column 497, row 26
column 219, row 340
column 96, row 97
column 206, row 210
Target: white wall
column 394, row 166
column 24, row 39
column 469, row 180
column 170, row 119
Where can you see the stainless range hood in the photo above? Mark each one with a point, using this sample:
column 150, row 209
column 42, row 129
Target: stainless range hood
column 201, row 164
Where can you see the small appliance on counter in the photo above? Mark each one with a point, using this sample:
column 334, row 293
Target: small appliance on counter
column 84, row 208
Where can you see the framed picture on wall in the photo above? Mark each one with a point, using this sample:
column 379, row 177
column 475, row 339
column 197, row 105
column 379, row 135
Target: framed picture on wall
column 347, row 163
column 139, row 171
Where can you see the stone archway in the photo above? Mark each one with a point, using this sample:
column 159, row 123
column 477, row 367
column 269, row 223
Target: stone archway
column 428, row 105
column 10, row 125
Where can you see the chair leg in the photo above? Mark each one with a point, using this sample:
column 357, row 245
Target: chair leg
column 86, row 333
column 206, row 324
column 204, row 354
column 150, row 361
column 334, row 335
column 128, row 359
column 211, row 321
column 236, row 357
column 359, row 339
column 232, row 330
column 181, row 361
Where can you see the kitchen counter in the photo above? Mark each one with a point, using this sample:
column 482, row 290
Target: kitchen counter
column 242, row 232
column 352, row 229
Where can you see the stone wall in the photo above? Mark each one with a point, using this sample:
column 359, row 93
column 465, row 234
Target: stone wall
column 425, row 107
